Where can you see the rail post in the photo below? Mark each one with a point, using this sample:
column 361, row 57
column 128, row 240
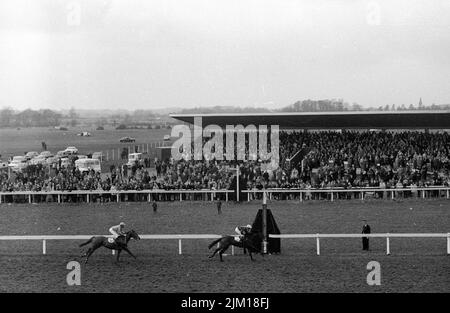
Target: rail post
column 264, row 222
column 332, row 198
column 179, row 247
column 44, row 247
column 87, row 198
column 448, row 243
column 118, row 197
column 237, row 183
column 232, row 250
column 29, row 198
column 388, row 247
column 226, row 196
column 317, row 244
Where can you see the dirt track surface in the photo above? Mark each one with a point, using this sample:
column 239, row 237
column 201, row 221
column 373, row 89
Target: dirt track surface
column 415, row 265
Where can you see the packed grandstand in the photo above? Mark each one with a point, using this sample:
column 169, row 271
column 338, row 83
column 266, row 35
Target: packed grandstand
column 332, row 159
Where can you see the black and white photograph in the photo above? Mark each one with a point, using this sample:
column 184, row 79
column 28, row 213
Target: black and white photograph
column 224, row 152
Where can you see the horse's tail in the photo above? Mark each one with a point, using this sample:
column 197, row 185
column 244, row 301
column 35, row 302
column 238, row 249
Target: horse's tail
column 87, row 242
column 214, row 242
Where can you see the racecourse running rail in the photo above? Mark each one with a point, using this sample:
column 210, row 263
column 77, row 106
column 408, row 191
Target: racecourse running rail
column 333, row 193
column 181, row 237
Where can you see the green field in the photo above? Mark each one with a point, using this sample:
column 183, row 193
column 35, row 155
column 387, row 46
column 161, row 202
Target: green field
column 415, row 265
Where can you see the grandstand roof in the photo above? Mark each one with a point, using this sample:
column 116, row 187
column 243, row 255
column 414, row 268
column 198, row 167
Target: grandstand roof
column 331, row 120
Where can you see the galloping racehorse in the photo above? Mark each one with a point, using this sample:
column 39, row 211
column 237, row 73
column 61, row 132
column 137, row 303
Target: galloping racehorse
column 121, row 243
column 251, row 242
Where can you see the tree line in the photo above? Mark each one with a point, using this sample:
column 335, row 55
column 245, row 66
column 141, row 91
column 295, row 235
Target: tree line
column 327, row 105
column 29, row 118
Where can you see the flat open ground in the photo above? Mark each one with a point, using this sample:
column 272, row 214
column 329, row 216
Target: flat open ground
column 415, row 265
column 18, row 141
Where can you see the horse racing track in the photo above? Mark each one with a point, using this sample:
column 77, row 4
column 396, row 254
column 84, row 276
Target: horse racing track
column 415, row 265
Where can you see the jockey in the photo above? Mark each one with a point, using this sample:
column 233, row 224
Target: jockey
column 117, row 230
column 242, row 230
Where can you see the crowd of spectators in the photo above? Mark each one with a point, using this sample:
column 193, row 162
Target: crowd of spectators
column 332, row 160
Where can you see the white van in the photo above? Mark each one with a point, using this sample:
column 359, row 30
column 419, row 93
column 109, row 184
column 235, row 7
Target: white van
column 18, row 163
column 71, row 150
column 65, row 162
column 133, row 157
column 85, row 165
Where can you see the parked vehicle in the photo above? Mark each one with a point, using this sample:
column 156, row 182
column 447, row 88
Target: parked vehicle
column 18, row 163
column 65, row 162
column 84, row 134
column 166, row 137
column 71, row 150
column 85, row 165
column 127, row 139
column 45, row 154
column 81, row 156
column 40, row 159
column 133, row 157
column 52, row 160
column 62, row 154
column 31, row 154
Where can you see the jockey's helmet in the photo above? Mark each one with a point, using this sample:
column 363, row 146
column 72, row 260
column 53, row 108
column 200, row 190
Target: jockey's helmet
column 122, row 224
column 249, row 226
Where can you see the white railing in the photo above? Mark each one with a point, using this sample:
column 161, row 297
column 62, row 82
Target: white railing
column 384, row 235
column 181, row 237
column 117, row 193
column 46, row 238
column 333, row 191
column 210, row 194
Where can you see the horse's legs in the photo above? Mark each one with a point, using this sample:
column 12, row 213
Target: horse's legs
column 128, row 251
column 89, row 253
column 118, row 254
column 85, row 253
column 222, row 251
column 250, row 253
column 214, row 253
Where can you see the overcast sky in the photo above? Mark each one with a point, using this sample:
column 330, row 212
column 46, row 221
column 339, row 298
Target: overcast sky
column 157, row 54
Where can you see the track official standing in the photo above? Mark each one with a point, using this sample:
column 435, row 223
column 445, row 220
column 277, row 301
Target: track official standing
column 365, row 240
column 219, row 206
